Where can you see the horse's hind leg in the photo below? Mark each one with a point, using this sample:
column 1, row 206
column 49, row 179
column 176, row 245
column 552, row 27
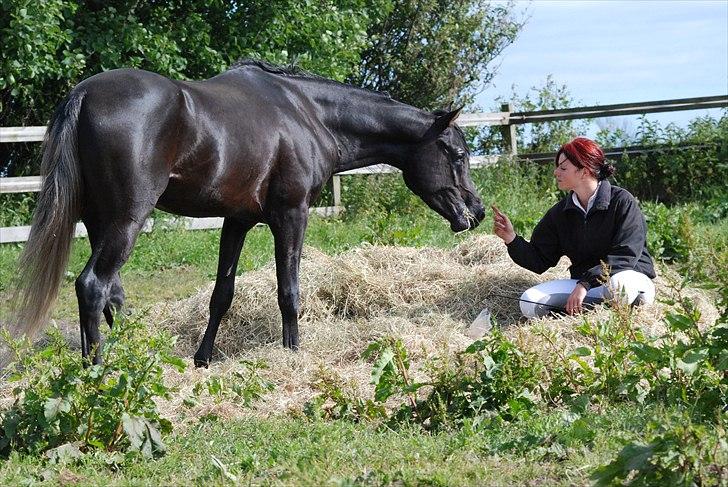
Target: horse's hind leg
column 116, row 300
column 111, row 246
column 231, row 243
column 116, row 296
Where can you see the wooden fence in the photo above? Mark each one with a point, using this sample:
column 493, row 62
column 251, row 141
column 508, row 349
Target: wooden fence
column 507, row 119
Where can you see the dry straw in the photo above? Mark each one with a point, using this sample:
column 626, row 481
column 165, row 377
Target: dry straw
column 426, row 297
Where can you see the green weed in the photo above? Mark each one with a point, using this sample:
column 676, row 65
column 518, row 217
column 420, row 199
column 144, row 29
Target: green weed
column 64, row 406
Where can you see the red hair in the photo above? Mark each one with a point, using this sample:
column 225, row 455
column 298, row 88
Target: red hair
column 585, row 153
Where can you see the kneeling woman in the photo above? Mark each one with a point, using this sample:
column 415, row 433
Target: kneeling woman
column 595, row 223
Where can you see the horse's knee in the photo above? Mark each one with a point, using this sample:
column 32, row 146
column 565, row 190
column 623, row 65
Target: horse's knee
column 288, row 302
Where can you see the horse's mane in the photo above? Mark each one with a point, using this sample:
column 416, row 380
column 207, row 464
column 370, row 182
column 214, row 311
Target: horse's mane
column 293, row 70
column 288, row 70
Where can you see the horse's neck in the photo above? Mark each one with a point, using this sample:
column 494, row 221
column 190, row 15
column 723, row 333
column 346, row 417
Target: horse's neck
column 373, row 129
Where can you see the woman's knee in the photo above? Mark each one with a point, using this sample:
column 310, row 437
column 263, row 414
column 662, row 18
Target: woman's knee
column 631, row 286
column 543, row 298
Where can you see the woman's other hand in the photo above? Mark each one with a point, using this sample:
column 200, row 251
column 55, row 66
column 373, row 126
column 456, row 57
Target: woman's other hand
column 502, row 225
column 576, row 299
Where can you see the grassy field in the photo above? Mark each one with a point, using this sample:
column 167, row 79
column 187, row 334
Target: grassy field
column 546, row 446
column 542, row 450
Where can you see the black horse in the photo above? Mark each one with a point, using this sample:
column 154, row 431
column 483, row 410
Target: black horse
column 255, row 144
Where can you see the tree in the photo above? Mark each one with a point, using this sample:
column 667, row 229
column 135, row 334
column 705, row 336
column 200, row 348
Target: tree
column 430, row 53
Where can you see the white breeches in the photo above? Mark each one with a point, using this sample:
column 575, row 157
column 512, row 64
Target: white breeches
column 625, row 285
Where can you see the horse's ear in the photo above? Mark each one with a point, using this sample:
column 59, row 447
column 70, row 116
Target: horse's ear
column 445, row 120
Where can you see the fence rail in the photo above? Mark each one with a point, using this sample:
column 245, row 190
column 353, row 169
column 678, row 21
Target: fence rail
column 507, row 119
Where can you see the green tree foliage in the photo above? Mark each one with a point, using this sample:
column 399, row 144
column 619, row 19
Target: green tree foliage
column 47, row 47
column 429, row 53
column 681, row 164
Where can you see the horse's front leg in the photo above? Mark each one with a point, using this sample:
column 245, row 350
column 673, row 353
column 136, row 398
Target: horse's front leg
column 288, row 226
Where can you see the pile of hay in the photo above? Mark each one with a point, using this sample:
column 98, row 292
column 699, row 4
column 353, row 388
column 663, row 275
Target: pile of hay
column 426, row 297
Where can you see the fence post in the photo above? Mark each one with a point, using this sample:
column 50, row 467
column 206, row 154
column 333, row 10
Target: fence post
column 509, row 132
column 336, row 189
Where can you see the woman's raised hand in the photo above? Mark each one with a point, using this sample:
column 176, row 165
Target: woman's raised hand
column 502, row 226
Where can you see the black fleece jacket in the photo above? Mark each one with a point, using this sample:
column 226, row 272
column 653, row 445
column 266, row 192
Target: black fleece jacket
column 614, row 231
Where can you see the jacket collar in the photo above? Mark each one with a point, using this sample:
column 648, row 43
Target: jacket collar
column 601, row 202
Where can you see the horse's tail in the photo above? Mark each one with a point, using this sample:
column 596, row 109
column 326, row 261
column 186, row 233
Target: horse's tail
column 45, row 256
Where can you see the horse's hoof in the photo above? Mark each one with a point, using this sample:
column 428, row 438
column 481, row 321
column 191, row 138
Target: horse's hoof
column 201, row 363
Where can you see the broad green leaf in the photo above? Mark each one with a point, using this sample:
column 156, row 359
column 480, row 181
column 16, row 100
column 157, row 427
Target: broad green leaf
column 476, row 346
column 155, row 437
column 582, row 351
column 54, row 405
column 646, row 353
column 722, row 363
column 372, row 348
column 135, row 430
column 695, row 355
column 384, row 360
column 64, row 453
column 679, row 322
column 581, row 430
column 579, row 403
column 143, row 435
column 174, row 361
column 690, row 361
column 121, row 386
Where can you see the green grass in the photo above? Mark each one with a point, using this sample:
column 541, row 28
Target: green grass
column 540, row 450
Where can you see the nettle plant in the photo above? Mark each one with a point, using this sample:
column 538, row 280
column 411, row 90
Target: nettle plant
column 65, row 405
column 491, row 378
column 243, row 385
column 686, row 367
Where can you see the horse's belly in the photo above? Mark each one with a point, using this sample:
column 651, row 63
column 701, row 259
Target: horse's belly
column 180, row 199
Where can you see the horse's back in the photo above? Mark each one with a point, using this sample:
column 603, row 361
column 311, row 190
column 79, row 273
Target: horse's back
column 208, row 148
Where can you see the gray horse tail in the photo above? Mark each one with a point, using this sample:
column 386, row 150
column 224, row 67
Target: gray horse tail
column 45, row 256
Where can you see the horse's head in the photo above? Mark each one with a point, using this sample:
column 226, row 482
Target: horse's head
column 438, row 171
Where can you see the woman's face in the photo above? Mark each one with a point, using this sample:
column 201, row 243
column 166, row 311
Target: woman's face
column 567, row 175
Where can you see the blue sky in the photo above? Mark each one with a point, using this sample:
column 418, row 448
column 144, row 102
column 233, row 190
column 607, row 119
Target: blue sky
column 619, row 52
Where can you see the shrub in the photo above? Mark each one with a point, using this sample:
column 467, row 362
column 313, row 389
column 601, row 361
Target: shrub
column 675, row 451
column 62, row 402
column 671, row 233
column 682, row 164
column 243, row 386
column 492, row 377
column 17, row 209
